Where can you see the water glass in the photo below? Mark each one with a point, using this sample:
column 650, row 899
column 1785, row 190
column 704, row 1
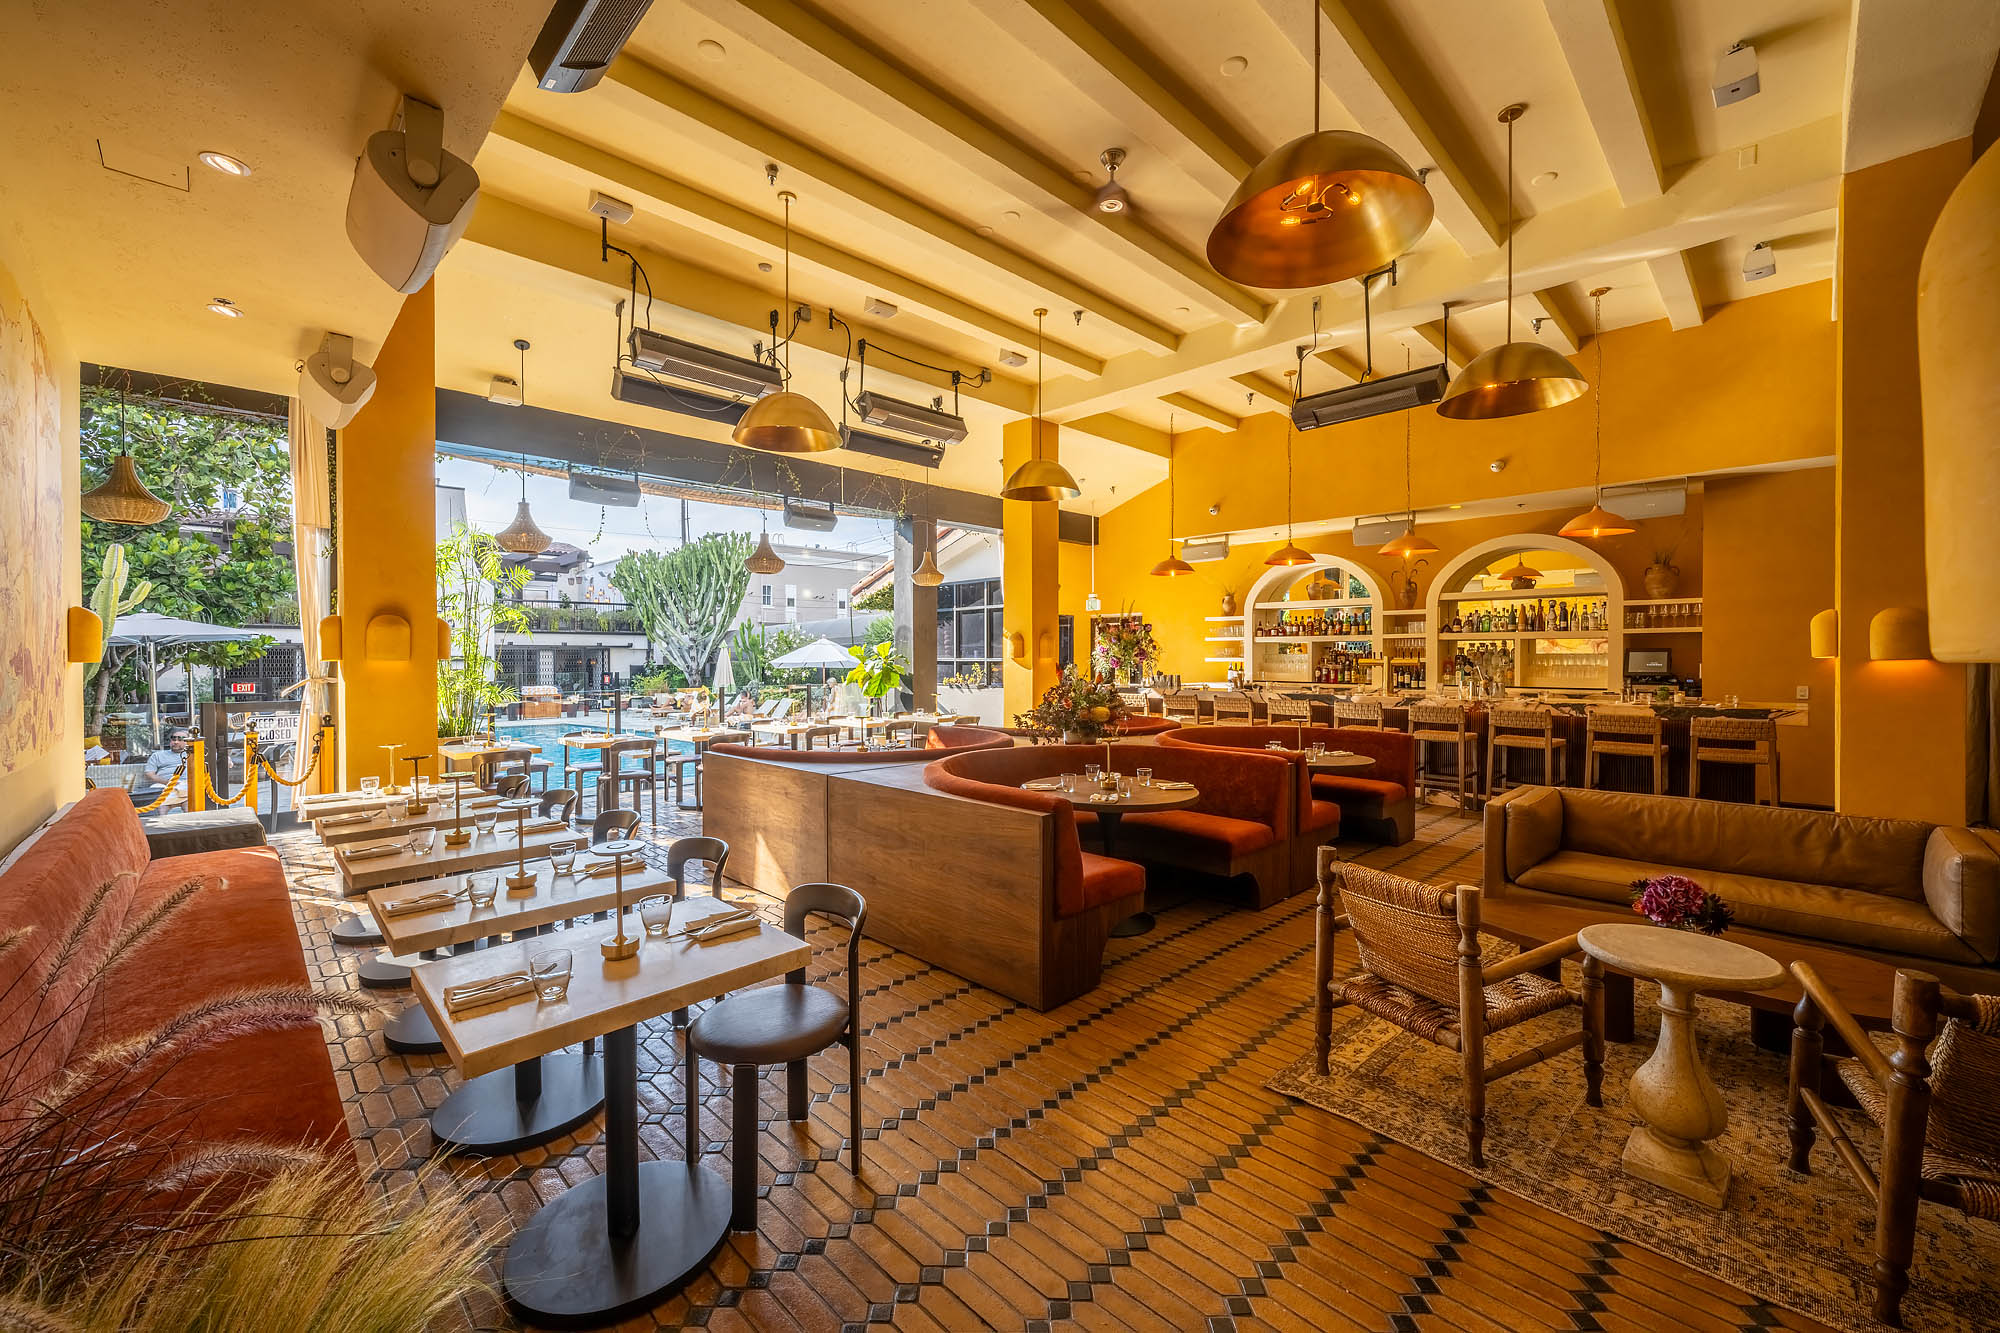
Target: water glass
column 550, row 969
column 1144, row 775
column 483, row 820
column 480, row 889
column 562, row 857
column 422, row 840
column 369, row 786
column 398, row 807
column 656, row 914
column 1093, row 773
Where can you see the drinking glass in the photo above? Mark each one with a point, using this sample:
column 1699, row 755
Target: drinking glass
column 480, row 889
column 398, row 807
column 483, row 820
column 656, row 914
column 422, row 840
column 550, row 969
column 562, row 857
column 1144, row 775
column 369, row 786
column 1093, row 773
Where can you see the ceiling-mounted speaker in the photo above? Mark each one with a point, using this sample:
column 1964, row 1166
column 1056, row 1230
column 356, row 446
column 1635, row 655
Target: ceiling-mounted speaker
column 410, row 200
column 333, row 386
column 598, row 488
column 580, row 39
column 1205, row 551
column 1373, row 532
column 809, row 515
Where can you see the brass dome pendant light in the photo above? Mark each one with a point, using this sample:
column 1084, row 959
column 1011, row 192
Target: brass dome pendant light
column 1291, row 553
column 1409, row 542
column 122, row 497
column 1040, row 478
column 786, row 422
column 1597, row 521
column 1325, row 207
column 1173, row 566
column 521, row 536
column 1514, row 377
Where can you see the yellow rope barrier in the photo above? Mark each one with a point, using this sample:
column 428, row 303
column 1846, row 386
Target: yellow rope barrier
column 171, row 783
column 303, row 778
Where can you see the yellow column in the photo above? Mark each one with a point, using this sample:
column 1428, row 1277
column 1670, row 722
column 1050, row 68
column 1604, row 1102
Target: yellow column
column 386, row 529
column 1029, row 585
column 1900, row 726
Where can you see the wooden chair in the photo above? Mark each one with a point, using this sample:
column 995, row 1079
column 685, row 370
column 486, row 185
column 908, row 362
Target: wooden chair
column 830, row 735
column 781, row 1025
column 1637, row 735
column 904, row 725
column 1233, row 707
column 1446, row 724
column 1937, row 1101
column 1519, row 729
column 1134, row 702
column 575, row 770
column 508, row 763
column 1282, row 710
column 641, row 777
column 1734, row 740
column 1358, row 713
column 1183, row 704
column 1425, row 968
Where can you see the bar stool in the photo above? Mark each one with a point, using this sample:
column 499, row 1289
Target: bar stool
column 1232, row 707
column 1364, row 713
column 1445, row 724
column 1284, row 711
column 1733, row 740
column 1133, row 702
column 1182, row 704
column 642, row 777
column 507, row 762
column 1511, row 729
column 1634, row 735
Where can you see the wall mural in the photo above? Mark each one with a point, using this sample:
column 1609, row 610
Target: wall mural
column 31, row 517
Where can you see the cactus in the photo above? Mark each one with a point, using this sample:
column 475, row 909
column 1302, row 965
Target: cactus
column 109, row 599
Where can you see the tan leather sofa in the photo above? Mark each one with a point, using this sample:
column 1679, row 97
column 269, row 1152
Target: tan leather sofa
column 1912, row 894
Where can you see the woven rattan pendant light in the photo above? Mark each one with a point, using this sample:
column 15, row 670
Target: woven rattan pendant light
column 1325, row 207
column 522, row 536
column 1040, row 478
column 927, row 574
column 1173, row 566
column 1291, row 553
column 786, row 422
column 1409, row 541
column 764, row 560
column 1597, row 521
column 122, row 497
column 1514, row 377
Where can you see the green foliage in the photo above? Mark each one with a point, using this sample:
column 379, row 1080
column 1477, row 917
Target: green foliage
column 881, row 629
column 658, row 680
column 881, row 598
column 878, row 670
column 1074, row 706
column 475, row 591
column 753, row 648
column 688, row 596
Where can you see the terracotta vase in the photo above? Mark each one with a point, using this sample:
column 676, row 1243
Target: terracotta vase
column 1662, row 581
column 1228, row 603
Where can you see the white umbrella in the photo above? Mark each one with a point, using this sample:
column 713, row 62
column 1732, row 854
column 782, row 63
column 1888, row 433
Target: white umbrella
column 823, row 653
column 151, row 629
column 725, row 679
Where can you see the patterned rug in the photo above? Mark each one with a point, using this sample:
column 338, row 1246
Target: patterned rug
column 1800, row 1241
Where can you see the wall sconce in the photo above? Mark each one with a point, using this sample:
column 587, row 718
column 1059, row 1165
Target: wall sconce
column 1017, row 646
column 329, row 639
column 1826, row 634
column 444, row 640
column 86, row 636
column 1900, row 634
column 387, row 639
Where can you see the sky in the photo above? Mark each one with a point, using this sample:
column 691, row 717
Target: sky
column 492, row 493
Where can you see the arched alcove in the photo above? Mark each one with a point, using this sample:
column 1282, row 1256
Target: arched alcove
column 1333, row 588
column 1561, row 632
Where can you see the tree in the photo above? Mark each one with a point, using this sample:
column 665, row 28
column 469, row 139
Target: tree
column 881, row 597
column 688, row 597
column 475, row 591
column 752, row 649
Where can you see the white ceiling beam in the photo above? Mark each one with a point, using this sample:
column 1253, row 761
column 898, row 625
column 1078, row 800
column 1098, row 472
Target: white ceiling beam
column 841, row 62
column 1132, row 85
column 1600, row 64
column 1122, row 430
column 1674, row 276
column 1710, row 200
column 1428, row 339
column 1915, row 79
column 1195, row 407
column 1558, row 329
column 591, row 167
column 1360, row 78
column 659, row 98
column 1263, row 393
column 1341, row 363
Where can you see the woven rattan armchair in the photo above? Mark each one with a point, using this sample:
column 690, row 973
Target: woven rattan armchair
column 1425, row 968
column 1937, row 1100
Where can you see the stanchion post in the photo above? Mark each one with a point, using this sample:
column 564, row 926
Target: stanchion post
column 197, row 769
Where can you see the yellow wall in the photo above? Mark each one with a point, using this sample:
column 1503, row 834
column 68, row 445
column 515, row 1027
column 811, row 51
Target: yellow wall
column 1029, row 572
column 1900, row 747
column 1768, row 542
column 35, row 784
column 387, row 539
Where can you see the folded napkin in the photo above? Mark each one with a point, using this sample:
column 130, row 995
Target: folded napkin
column 370, row 852
column 1103, row 797
column 472, row 994
column 423, row 902
column 1043, row 784
column 606, row 869
column 1165, row 784
column 342, row 821
column 722, row 926
column 542, row 825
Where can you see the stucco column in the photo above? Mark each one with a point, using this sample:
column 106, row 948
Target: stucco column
column 916, row 610
column 387, row 537
column 1028, row 565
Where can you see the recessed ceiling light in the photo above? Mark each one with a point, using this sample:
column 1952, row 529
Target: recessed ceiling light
column 1546, row 178
column 710, row 50
column 224, row 163
column 1010, row 216
column 1234, row 65
column 225, row 307
column 763, row 266
column 984, row 230
column 1458, row 506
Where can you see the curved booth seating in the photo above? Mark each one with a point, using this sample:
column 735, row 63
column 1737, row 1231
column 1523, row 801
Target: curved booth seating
column 938, row 741
column 1146, row 725
column 1242, row 824
column 1380, row 800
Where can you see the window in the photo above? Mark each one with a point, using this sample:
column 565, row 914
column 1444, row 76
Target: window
column 791, row 596
column 970, row 631
column 767, row 594
column 840, row 600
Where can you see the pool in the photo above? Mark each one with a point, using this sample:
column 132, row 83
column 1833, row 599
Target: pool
column 548, row 732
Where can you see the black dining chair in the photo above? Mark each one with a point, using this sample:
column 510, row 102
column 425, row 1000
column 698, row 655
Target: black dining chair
column 780, row 1025
column 558, row 802
column 613, row 823
column 712, row 852
column 510, row 786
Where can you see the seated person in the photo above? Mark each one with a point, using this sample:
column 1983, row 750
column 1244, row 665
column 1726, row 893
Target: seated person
column 161, row 766
column 743, row 708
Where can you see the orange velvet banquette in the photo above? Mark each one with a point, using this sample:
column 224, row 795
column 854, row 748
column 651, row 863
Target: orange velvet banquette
column 1380, row 799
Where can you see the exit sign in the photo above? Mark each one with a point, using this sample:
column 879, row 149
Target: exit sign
column 242, row 687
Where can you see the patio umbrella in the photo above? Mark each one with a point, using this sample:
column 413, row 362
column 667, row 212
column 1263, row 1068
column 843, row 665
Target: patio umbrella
column 725, row 679
column 823, row 653
column 151, row 630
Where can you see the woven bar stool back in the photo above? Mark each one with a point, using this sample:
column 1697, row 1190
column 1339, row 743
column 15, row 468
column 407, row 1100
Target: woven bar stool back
column 1512, row 729
column 1444, row 724
column 1636, row 735
column 1181, row 703
column 1232, row 707
column 1358, row 713
column 1283, row 710
column 1734, row 740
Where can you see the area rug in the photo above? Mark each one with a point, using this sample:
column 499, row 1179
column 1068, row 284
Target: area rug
column 1798, row 1241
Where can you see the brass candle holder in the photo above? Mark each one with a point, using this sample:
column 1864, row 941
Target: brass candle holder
column 459, row 834
column 619, row 945
column 392, row 789
column 523, row 878
column 418, row 805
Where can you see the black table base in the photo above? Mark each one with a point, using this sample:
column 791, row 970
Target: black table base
column 622, row 1241
column 511, row 1109
column 356, row 931
column 378, row 973
column 1139, row 923
column 412, row 1033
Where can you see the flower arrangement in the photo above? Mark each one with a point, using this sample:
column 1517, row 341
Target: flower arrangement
column 1074, row 708
column 1125, row 649
column 1677, row 901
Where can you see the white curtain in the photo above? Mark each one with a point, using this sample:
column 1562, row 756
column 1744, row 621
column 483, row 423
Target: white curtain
column 312, row 556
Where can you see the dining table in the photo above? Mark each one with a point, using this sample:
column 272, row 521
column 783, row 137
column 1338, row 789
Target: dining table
column 623, row 1239
column 479, row 755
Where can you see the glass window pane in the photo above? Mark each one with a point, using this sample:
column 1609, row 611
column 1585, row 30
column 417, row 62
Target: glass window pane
column 947, row 639
column 972, row 634
column 945, row 593
column 971, row 594
column 993, row 592
column 996, row 632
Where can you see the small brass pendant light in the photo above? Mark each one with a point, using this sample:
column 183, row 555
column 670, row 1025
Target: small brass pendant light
column 1291, row 553
column 764, row 560
column 521, row 536
column 122, row 497
column 1040, row 478
column 786, row 422
column 927, row 574
column 1325, row 207
column 1173, row 566
column 1514, row 377
column 1597, row 521
column 1409, row 541
column 1522, row 571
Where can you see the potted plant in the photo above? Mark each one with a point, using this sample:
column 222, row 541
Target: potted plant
column 1076, row 709
column 1663, row 576
column 878, row 670
column 1125, row 650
